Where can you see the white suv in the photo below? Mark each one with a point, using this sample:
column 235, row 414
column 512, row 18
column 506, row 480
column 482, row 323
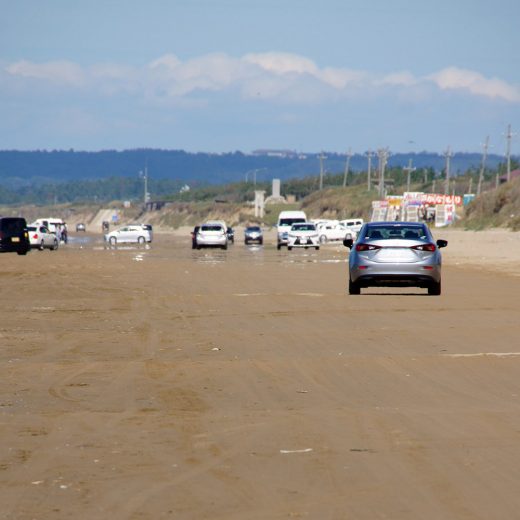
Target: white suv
column 303, row 234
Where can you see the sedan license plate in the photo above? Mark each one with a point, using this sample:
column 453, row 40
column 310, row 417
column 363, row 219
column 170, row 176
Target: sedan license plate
column 15, row 239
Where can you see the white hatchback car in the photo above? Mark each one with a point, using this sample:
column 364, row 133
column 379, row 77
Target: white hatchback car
column 303, row 234
column 41, row 238
column 133, row 234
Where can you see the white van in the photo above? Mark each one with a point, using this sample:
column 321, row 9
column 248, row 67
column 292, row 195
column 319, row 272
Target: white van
column 50, row 223
column 285, row 220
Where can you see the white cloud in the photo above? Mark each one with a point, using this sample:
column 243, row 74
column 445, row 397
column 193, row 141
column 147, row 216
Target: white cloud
column 54, row 71
column 476, row 83
column 282, row 63
column 402, row 79
column 282, row 77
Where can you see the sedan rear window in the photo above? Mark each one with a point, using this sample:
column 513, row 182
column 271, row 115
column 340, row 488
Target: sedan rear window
column 397, row 232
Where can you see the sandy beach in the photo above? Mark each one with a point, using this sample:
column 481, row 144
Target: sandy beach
column 165, row 382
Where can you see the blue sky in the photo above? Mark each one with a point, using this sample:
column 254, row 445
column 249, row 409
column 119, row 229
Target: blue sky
column 226, row 75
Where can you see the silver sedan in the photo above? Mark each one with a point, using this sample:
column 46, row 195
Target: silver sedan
column 395, row 254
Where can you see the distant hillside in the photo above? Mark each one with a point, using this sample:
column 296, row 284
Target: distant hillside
column 29, row 168
column 495, row 208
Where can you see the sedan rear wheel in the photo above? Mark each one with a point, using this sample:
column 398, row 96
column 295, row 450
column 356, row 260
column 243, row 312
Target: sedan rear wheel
column 113, row 241
column 323, row 239
column 434, row 289
column 55, row 245
column 353, row 287
column 141, row 240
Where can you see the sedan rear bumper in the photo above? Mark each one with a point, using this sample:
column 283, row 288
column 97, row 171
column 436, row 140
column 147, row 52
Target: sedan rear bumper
column 419, row 275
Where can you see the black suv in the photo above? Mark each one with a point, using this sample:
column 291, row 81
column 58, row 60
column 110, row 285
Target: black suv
column 14, row 237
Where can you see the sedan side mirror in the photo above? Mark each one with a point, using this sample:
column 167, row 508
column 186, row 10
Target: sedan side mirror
column 348, row 242
column 442, row 243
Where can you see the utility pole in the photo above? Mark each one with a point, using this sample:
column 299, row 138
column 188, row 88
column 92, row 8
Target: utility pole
column 144, row 175
column 347, row 167
column 382, row 155
column 145, row 184
column 509, row 135
column 408, row 169
column 321, row 158
column 369, row 155
column 483, row 166
column 448, row 156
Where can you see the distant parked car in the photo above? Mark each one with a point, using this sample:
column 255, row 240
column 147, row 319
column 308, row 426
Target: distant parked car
column 212, row 234
column 353, row 223
column 136, row 234
column 149, row 228
column 80, row 226
column 253, row 234
column 41, row 238
column 331, row 231
column 14, row 237
column 395, row 254
column 303, row 234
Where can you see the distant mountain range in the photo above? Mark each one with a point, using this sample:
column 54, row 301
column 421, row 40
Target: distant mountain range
column 24, row 168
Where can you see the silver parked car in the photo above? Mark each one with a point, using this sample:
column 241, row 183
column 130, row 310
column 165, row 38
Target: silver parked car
column 395, row 254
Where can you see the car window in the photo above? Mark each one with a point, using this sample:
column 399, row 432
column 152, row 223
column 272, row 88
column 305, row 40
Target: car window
column 12, row 225
column 211, row 228
column 290, row 221
column 396, row 232
column 303, row 227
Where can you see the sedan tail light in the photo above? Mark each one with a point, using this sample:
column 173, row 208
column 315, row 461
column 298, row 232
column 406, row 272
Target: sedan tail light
column 367, row 247
column 425, row 247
